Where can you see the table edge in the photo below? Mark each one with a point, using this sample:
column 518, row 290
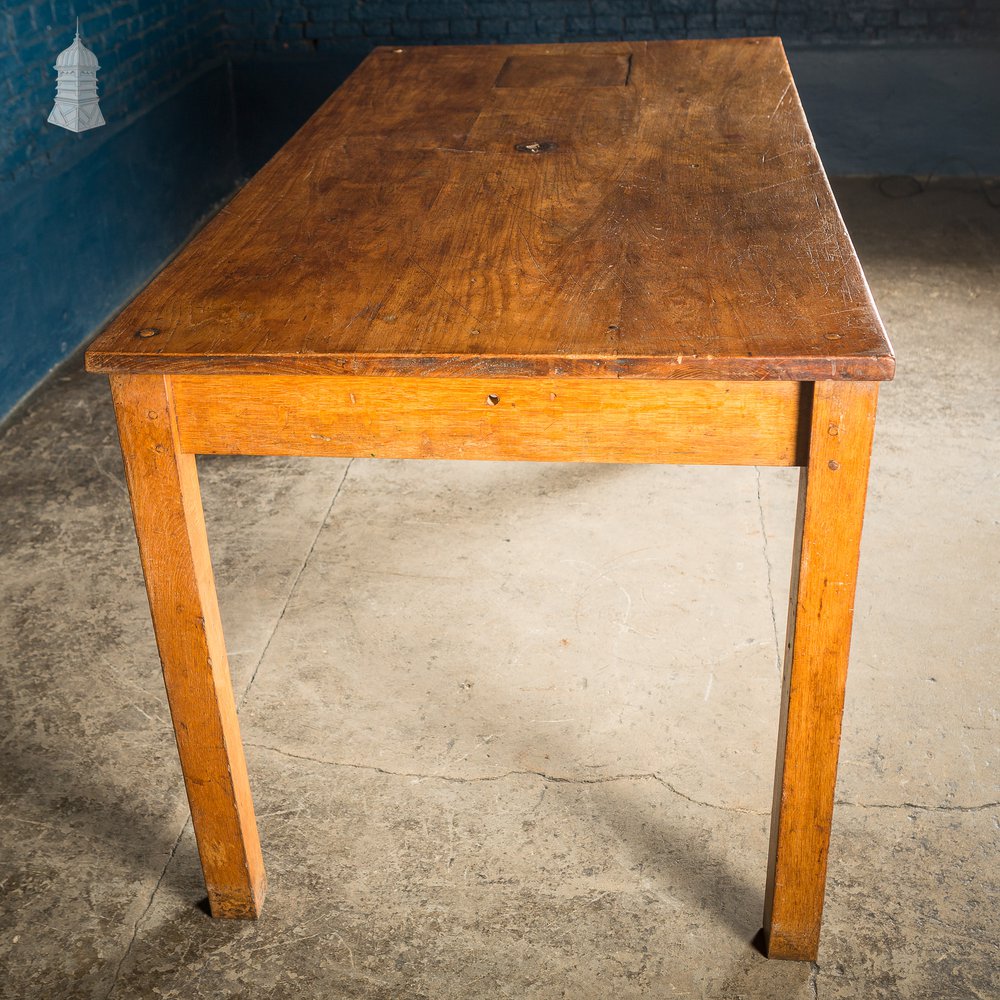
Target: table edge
column 860, row 368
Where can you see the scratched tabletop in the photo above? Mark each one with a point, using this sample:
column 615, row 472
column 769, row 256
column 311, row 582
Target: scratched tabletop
column 615, row 210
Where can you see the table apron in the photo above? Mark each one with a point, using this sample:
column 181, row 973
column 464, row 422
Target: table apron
column 537, row 419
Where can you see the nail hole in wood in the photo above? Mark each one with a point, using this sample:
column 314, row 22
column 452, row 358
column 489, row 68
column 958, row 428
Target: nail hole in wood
column 492, row 399
column 147, row 331
column 834, row 466
column 535, row 147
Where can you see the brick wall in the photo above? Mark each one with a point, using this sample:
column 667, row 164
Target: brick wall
column 304, row 25
column 86, row 219
column 145, row 48
column 148, row 46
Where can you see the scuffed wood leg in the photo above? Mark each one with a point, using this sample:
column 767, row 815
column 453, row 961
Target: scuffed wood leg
column 824, row 572
column 170, row 526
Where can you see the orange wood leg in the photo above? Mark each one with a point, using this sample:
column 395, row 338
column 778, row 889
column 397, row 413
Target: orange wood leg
column 824, row 572
column 170, row 526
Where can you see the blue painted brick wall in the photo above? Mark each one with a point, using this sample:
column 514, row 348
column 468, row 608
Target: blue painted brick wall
column 145, row 48
column 307, row 26
column 148, row 46
column 86, row 219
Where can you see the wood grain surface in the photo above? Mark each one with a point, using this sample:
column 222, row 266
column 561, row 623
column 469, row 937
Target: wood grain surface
column 638, row 210
column 550, row 420
column 821, row 610
column 173, row 545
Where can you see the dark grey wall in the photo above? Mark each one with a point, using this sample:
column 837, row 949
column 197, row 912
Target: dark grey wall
column 903, row 110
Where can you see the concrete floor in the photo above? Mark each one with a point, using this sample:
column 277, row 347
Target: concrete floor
column 511, row 727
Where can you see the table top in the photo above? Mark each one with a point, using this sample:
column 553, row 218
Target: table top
column 614, row 210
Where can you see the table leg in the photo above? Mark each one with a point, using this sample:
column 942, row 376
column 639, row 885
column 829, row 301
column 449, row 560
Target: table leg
column 170, row 526
column 824, row 570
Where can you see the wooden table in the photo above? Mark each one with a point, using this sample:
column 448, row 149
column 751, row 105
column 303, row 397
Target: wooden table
column 621, row 252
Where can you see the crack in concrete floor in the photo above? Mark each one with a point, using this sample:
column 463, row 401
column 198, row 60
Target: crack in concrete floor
column 603, row 780
column 293, row 587
column 145, row 913
column 474, row 779
column 778, row 645
column 246, row 693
